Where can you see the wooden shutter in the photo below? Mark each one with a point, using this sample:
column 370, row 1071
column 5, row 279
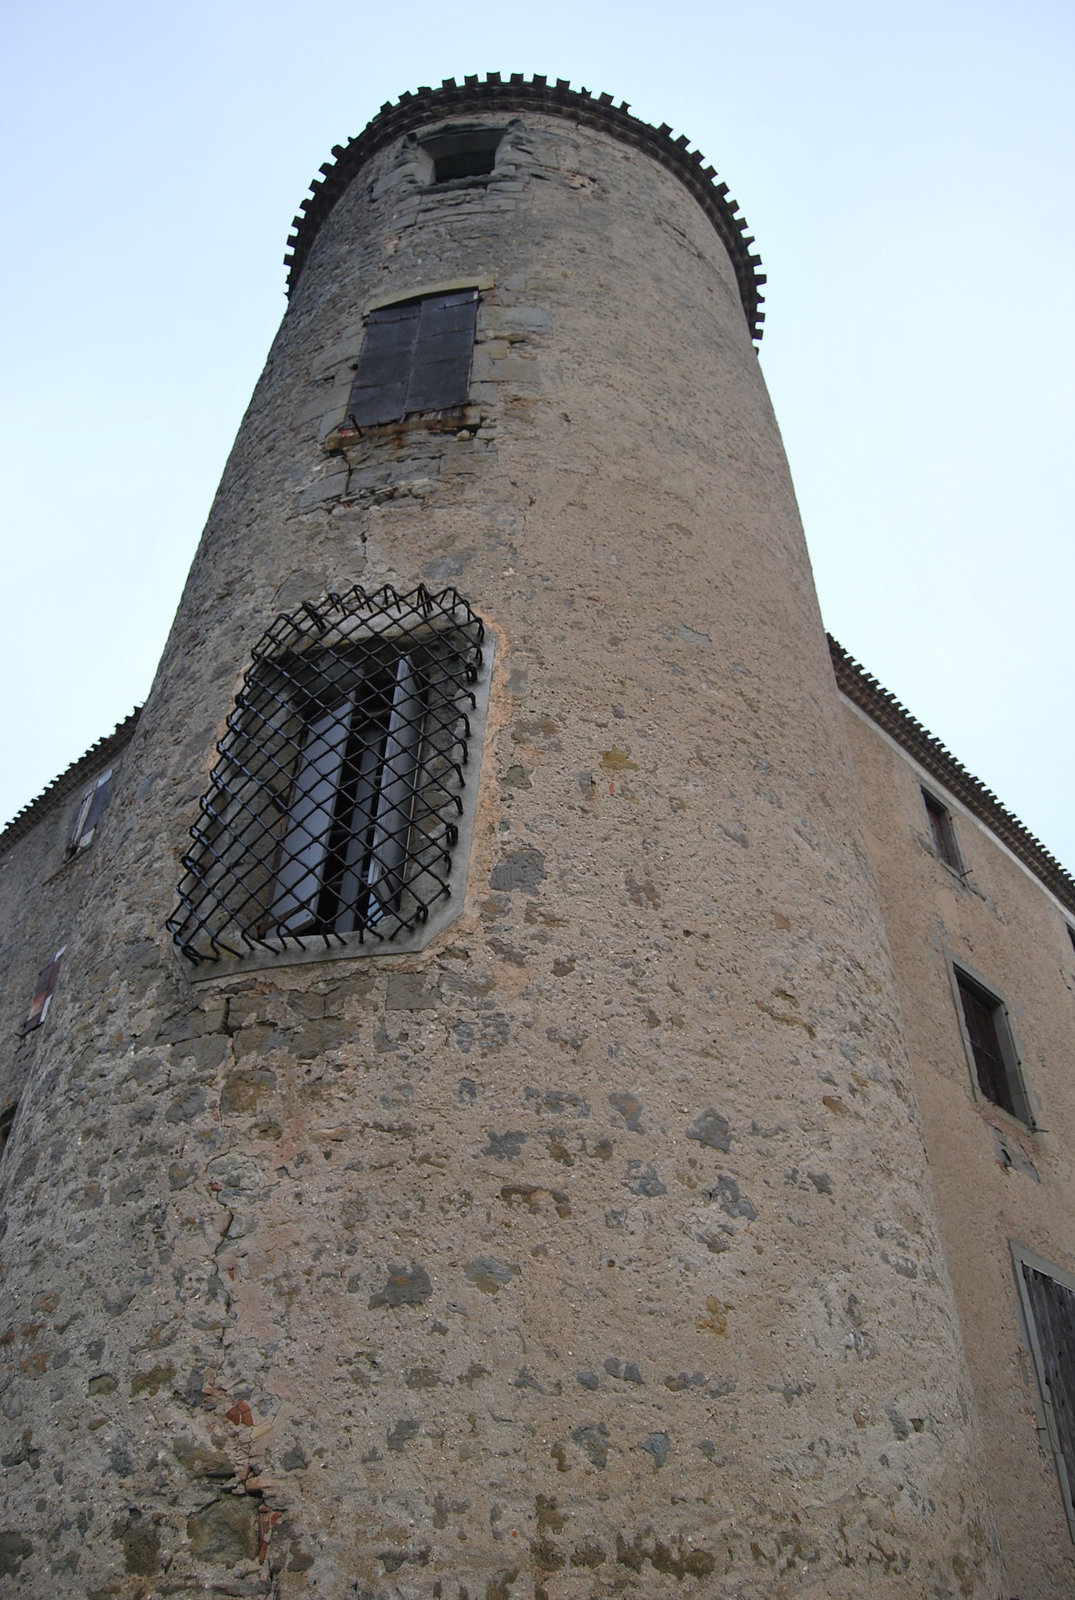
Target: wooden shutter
column 980, row 1014
column 46, row 987
column 89, row 813
column 379, row 392
column 440, row 372
column 311, row 814
column 1053, row 1308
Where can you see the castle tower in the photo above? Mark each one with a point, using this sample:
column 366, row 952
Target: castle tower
column 498, row 1173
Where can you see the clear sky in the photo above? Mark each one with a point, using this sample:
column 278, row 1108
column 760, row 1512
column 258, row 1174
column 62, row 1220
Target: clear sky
column 906, row 169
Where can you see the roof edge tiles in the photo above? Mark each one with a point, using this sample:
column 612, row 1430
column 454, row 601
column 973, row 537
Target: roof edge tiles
column 864, row 691
column 559, row 100
column 70, row 779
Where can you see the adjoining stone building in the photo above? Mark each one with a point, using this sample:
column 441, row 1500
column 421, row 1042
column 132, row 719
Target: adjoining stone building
column 589, row 1110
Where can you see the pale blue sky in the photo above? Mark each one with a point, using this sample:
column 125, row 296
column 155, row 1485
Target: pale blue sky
column 906, row 169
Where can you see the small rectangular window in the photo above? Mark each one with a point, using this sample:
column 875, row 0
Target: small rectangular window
column 1048, row 1300
column 1071, row 934
column 992, row 1049
column 462, row 152
column 942, row 832
column 46, row 987
column 89, row 813
column 416, row 357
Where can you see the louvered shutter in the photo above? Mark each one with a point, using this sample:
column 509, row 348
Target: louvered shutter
column 1053, row 1306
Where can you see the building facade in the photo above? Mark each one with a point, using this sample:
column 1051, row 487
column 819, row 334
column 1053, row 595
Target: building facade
column 523, row 1080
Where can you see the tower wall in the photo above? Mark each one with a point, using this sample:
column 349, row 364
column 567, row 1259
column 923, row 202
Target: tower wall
column 591, row 1248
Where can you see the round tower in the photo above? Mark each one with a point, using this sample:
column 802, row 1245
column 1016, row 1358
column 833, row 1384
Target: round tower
column 482, row 1161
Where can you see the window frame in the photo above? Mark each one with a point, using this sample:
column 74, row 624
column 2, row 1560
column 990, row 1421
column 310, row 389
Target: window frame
column 962, row 975
column 1050, row 1417
column 943, row 838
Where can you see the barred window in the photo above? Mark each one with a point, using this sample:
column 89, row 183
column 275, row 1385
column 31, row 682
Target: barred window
column 336, row 805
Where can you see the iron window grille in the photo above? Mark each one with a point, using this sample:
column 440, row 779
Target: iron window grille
column 415, row 357
column 335, row 805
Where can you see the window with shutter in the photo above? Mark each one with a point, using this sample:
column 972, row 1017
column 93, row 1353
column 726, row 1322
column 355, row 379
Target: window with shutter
column 942, row 832
column 89, row 814
column 46, row 987
column 1048, row 1302
column 988, row 1037
column 415, row 358
column 339, row 800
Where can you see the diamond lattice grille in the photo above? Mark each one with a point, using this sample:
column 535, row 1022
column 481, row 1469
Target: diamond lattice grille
column 334, row 807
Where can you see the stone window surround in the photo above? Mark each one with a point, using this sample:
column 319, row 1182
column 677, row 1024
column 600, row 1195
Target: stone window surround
column 1013, row 1055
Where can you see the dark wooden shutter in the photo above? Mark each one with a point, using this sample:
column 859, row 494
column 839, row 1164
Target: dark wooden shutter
column 980, row 1015
column 46, row 986
column 943, row 831
column 379, row 392
column 440, row 372
column 1053, row 1307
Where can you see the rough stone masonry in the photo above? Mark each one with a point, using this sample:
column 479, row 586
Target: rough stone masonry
column 540, row 1261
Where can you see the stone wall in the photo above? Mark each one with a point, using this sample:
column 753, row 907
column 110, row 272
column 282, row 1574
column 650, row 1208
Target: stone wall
column 591, row 1249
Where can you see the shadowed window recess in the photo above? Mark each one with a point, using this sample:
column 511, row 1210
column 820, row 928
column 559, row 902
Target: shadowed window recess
column 992, row 1048
column 1048, row 1301
column 462, row 152
column 336, row 804
column 416, row 357
column 89, row 814
column 942, row 832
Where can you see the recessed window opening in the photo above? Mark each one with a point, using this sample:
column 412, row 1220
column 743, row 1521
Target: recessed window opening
column 89, row 813
column 942, row 832
column 1048, row 1301
column 992, row 1049
column 336, row 804
column 1071, row 934
column 47, row 979
column 463, row 152
column 415, row 358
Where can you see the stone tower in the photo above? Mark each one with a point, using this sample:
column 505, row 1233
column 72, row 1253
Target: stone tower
column 508, row 1179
